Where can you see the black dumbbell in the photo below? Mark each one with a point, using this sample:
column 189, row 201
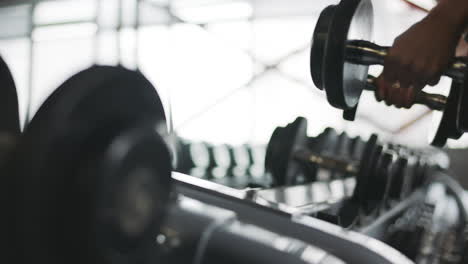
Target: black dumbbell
column 287, row 152
column 241, row 161
column 279, row 160
column 232, row 163
column 199, row 158
column 83, row 168
column 258, row 176
column 330, row 143
column 222, row 161
column 184, row 156
column 342, row 151
column 356, row 148
column 202, row 159
column 340, row 57
column 324, row 144
column 327, row 144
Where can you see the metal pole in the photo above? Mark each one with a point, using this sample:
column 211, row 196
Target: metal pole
column 30, row 73
column 98, row 5
column 137, row 36
column 118, row 31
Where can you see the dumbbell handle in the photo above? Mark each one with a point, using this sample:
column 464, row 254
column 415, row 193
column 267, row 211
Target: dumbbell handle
column 433, row 101
column 367, row 53
column 326, row 162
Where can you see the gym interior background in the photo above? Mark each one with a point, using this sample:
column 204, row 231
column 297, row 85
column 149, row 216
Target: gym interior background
column 229, row 71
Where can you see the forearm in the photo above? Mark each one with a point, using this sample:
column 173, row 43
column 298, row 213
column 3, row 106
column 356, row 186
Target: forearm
column 452, row 12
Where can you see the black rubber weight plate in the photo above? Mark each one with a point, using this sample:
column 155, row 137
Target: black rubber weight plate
column 365, row 169
column 319, row 42
column 342, row 81
column 279, row 159
column 132, row 200
column 52, row 201
column 444, row 124
column 9, row 116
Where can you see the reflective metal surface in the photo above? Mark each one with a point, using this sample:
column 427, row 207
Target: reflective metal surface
column 309, row 194
column 289, row 222
column 354, row 75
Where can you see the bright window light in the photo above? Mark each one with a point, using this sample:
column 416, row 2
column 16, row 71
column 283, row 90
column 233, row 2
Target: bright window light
column 64, row 32
column 49, row 12
column 214, row 12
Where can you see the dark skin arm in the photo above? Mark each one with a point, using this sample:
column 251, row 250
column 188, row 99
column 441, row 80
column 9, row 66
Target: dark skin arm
column 419, row 56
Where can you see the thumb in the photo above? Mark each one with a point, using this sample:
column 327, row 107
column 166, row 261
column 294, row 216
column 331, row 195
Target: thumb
column 380, row 88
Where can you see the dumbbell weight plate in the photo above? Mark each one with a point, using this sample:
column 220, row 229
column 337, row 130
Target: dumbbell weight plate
column 241, row 159
column 409, row 177
column 317, row 53
column 325, row 142
column 337, row 151
column 9, row 133
column 184, row 159
column 54, row 202
column 356, row 148
column 223, row 161
column 134, row 182
column 375, row 188
column 342, row 81
column 380, row 178
column 9, row 116
column 359, row 200
column 368, row 159
column 444, row 124
column 279, row 158
column 422, row 168
column 222, row 156
column 200, row 154
column 395, row 191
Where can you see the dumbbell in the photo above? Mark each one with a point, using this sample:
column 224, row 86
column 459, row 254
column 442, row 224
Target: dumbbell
column 222, row 159
column 287, row 152
column 200, row 156
column 340, row 57
column 257, row 160
column 325, row 144
column 184, row 156
column 226, row 164
column 328, row 143
column 202, row 160
column 379, row 175
column 90, row 175
column 229, row 169
column 241, row 161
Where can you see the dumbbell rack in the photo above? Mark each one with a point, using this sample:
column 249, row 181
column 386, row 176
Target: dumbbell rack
column 238, row 166
column 380, row 203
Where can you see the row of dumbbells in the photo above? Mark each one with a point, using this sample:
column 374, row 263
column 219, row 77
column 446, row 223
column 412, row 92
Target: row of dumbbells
column 383, row 172
column 235, row 166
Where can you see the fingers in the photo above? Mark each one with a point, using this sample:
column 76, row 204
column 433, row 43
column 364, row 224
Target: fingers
column 401, row 87
column 394, row 94
column 380, row 92
column 402, row 79
column 396, row 79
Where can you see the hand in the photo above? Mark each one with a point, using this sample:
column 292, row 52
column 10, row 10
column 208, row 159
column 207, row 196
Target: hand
column 418, row 57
